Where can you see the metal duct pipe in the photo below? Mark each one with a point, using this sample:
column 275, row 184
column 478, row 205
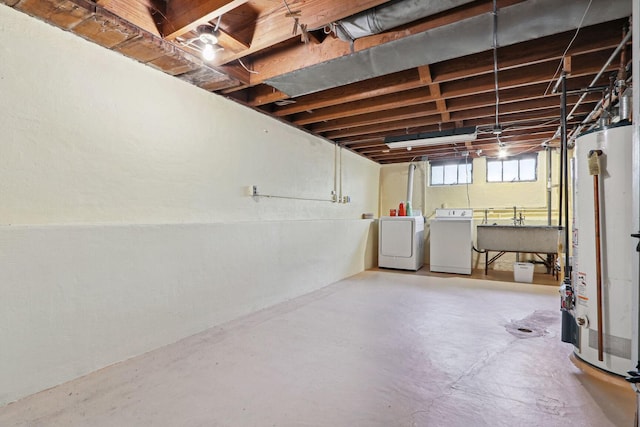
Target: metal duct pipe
column 625, row 104
column 519, row 22
column 412, row 168
column 390, row 15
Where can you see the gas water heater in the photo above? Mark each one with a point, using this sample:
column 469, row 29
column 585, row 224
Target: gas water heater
column 602, row 247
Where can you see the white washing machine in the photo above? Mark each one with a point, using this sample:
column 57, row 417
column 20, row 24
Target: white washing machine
column 451, row 241
column 401, row 242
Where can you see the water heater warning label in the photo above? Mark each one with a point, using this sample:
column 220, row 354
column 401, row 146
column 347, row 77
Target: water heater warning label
column 581, row 289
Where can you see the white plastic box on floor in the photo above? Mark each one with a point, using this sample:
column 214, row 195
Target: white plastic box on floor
column 523, row 272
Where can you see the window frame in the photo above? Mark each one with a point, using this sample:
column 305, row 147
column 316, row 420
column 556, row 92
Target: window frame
column 519, row 158
column 464, row 162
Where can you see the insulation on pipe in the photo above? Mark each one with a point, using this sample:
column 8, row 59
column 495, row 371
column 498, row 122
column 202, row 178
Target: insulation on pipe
column 390, row 15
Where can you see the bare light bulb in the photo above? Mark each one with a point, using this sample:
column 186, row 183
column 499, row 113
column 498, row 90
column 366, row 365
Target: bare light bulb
column 502, row 152
column 209, row 52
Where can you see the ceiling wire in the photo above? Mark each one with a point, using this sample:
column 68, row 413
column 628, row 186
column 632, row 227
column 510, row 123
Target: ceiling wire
column 560, row 65
column 495, row 60
column 287, row 6
column 195, row 39
column 245, row 67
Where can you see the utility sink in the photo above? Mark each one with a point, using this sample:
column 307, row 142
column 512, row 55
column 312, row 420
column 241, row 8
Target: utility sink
column 519, row 238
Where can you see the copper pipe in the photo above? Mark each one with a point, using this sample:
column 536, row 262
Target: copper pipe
column 623, row 60
column 596, row 212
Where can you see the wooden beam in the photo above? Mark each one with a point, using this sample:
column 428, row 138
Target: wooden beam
column 566, row 65
column 425, row 77
column 416, row 96
column 447, row 17
column 403, row 113
column 145, row 14
column 64, row 14
column 486, row 118
column 185, row 15
column 428, row 111
column 297, row 56
column 418, row 77
column 406, row 125
column 592, row 39
column 442, row 109
column 423, row 95
column 587, row 64
column 274, row 26
column 383, row 85
column 229, row 42
column 260, row 95
column 589, row 40
column 424, row 73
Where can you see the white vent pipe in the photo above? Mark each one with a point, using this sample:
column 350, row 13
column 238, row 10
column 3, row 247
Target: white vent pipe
column 412, row 168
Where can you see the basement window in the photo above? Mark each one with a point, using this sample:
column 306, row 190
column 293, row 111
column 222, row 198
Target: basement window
column 451, row 173
column 521, row 168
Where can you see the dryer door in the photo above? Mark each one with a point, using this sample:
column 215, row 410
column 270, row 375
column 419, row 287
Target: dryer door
column 396, row 238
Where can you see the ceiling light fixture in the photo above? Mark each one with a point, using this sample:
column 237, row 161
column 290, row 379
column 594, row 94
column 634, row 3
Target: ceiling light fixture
column 209, row 52
column 502, row 149
column 450, row 136
column 208, row 35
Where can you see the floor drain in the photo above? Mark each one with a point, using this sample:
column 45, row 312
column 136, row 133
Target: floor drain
column 525, row 330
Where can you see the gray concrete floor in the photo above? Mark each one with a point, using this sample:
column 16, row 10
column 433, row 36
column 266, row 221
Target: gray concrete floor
column 378, row 349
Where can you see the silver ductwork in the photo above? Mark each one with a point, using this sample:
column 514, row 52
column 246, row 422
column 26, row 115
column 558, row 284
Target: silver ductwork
column 519, row 22
column 390, row 15
column 625, row 104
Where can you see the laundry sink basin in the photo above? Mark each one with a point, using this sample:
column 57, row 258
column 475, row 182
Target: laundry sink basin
column 518, row 238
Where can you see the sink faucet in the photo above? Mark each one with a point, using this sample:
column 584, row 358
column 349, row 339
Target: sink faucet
column 517, row 219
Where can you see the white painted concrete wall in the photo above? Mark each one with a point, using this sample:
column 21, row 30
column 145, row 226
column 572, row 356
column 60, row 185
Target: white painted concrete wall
column 124, row 223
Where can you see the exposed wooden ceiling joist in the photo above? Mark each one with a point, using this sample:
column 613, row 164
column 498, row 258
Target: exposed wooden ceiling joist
column 145, row 14
column 274, row 26
column 454, row 92
column 183, row 16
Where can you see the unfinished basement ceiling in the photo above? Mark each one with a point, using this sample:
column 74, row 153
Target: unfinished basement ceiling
column 355, row 72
